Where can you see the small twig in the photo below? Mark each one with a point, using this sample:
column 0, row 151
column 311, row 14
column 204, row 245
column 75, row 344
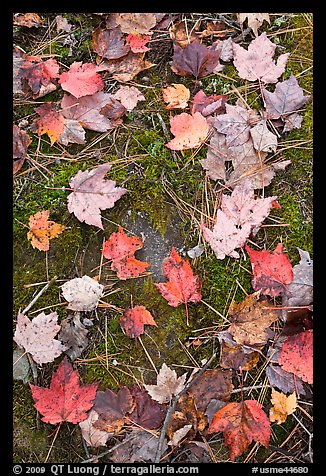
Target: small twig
column 166, row 134
column 148, row 356
column 173, row 405
column 55, row 437
column 247, row 389
column 39, row 294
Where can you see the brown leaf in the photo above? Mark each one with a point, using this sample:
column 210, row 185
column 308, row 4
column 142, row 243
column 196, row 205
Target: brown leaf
column 138, row 446
column 93, row 436
column 29, row 20
column 112, row 409
column 38, row 75
column 195, row 59
column 176, row 96
column 18, row 61
column 235, row 356
column 21, row 141
column 186, row 413
column 73, row 335
column 110, row 44
column 255, row 20
column 126, row 68
column 182, row 35
column 212, row 384
column 136, row 22
column 147, row 413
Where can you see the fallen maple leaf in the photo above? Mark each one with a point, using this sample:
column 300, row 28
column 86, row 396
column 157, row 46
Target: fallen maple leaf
column 189, row 131
column 250, row 320
column 236, row 356
column 212, row 384
column 235, row 124
column 182, row 286
column 238, row 214
column 93, row 436
column 138, row 446
column 21, row 141
column 136, row 22
column 287, row 382
column 296, row 355
column 38, row 75
column 109, row 44
column 257, row 62
column 241, row 424
column 195, row 59
column 83, row 294
column 72, row 132
column 37, row 336
column 81, row 79
column 137, row 42
column 129, row 96
column 263, row 139
column 176, row 96
column 29, row 20
column 51, row 122
column 255, row 20
column 66, row 399
column 208, row 105
column 300, row 291
column 133, row 321
column 73, row 335
column 126, row 68
column 90, row 111
column 92, row 193
column 167, row 385
column 112, row 409
column 282, row 406
column 217, row 155
column 121, row 249
column 271, row 271
column 42, row 230
column 179, row 434
column 147, row 413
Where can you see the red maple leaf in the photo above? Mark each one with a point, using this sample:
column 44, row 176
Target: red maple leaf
column 137, row 42
column 241, row 424
column 121, row 248
column 296, row 355
column 133, row 321
column 66, row 399
column 271, row 271
column 183, row 286
column 81, row 79
column 39, row 74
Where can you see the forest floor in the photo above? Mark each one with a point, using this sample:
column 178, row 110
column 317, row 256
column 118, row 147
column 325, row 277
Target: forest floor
column 168, row 196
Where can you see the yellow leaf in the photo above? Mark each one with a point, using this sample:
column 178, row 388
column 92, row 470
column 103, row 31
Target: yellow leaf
column 283, row 406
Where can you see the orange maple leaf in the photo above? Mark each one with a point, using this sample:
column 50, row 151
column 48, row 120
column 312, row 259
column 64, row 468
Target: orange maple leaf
column 51, row 122
column 176, row 96
column 42, row 230
column 189, row 131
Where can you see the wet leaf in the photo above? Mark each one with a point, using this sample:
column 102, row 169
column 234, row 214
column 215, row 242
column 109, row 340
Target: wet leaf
column 66, row 399
column 42, row 230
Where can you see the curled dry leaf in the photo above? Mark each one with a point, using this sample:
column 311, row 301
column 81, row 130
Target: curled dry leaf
column 235, row 356
column 250, row 320
column 282, row 406
column 133, row 321
column 176, row 96
column 42, row 230
column 257, row 62
column 129, row 96
column 300, row 291
column 93, row 436
column 189, row 131
column 51, row 122
column 296, row 355
column 121, row 249
column 255, row 20
column 110, row 44
column 92, row 193
column 194, row 60
column 29, row 20
column 136, row 22
column 82, row 294
column 37, row 336
column 66, row 399
column 241, row 424
column 38, row 75
column 271, row 271
column 126, row 68
column 137, row 42
column 81, row 79
column 167, row 385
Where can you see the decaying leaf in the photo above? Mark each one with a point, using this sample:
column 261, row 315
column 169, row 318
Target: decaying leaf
column 62, row 24
column 18, row 58
column 21, row 366
column 255, row 20
column 109, row 44
column 147, row 413
column 138, row 446
column 241, row 424
column 183, row 285
column 263, row 139
column 238, row 214
column 136, row 22
column 296, row 355
column 282, row 406
column 29, row 20
column 300, row 291
column 38, row 75
column 195, row 59
column 37, row 336
column 212, row 384
column 271, row 271
column 92, row 193
column 72, row 132
column 168, row 384
column 208, row 105
column 176, row 96
column 178, row 435
column 73, row 335
column 93, row 436
column 257, row 62
column 51, row 122
column 112, row 409
column 235, row 356
column 181, row 35
column 42, row 230
column 82, row 294
column 129, row 96
column 250, row 320
column 81, row 79
column 186, row 412
column 287, row 382
column 21, row 141
column 66, row 399
column 126, row 68
column 137, row 42
column 189, row 130
column 121, row 249
column 235, row 124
